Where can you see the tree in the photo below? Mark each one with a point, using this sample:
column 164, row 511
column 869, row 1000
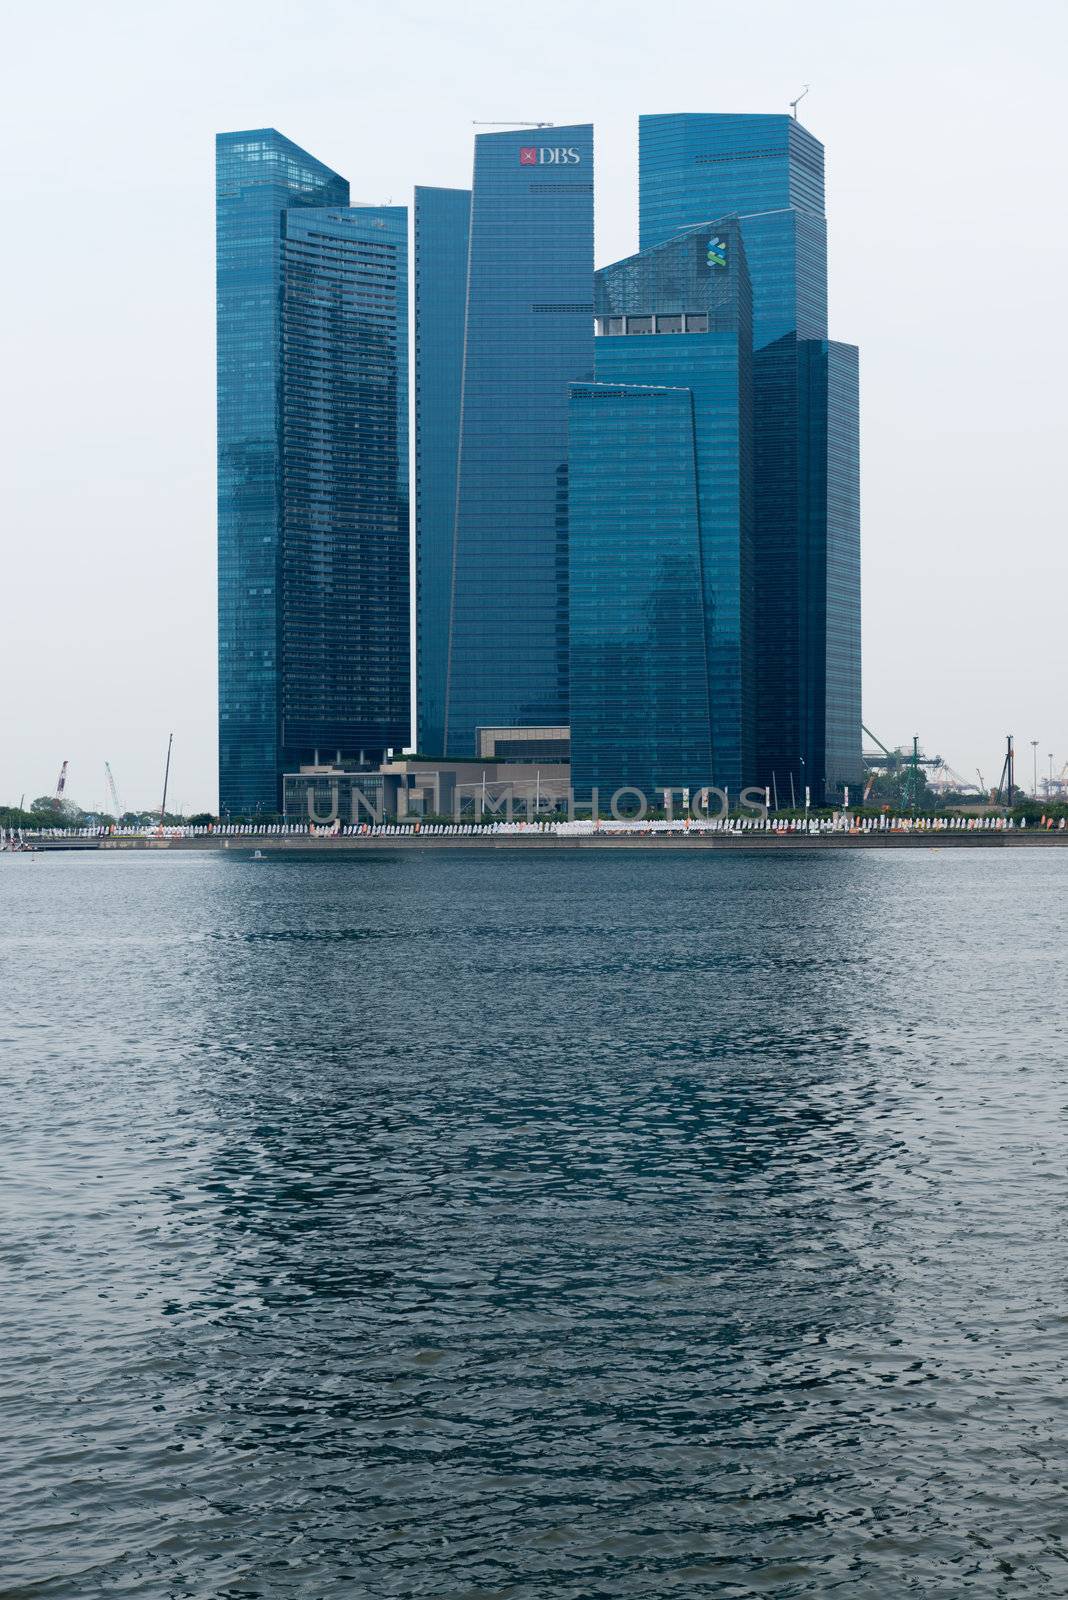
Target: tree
column 12, row 817
column 48, row 812
column 895, row 789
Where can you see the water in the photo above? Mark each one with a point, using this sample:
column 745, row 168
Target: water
column 559, row 1226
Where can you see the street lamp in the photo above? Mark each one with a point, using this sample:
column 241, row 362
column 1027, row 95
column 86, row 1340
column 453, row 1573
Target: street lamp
column 1034, row 758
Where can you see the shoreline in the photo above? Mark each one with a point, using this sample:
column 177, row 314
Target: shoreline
column 379, row 844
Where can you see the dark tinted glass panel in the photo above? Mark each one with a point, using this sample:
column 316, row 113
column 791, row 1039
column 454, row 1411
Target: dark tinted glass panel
column 259, row 176
column 529, row 332
column 768, row 171
column 442, row 220
column 313, row 469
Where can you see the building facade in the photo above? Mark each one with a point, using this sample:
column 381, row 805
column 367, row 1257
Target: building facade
column 441, row 231
column 768, row 171
column 487, row 789
column 313, row 469
column 528, row 334
column 660, row 523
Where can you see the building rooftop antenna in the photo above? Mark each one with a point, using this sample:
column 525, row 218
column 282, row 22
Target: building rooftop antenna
column 795, row 103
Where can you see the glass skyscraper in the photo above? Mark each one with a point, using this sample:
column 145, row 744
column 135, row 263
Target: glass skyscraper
column 660, row 523
column 768, row 171
column 442, row 226
column 529, row 334
column 313, row 469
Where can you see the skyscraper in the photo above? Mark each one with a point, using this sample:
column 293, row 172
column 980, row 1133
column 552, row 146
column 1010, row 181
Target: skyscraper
column 529, row 333
column 768, row 170
column 313, row 469
column 442, row 226
column 660, row 523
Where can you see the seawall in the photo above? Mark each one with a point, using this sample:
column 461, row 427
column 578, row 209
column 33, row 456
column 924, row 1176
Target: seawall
column 392, row 844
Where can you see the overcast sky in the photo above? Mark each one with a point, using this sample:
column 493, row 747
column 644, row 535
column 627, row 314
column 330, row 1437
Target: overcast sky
column 943, row 124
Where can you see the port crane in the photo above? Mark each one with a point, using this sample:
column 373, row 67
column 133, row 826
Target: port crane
column 1056, row 788
column 948, row 779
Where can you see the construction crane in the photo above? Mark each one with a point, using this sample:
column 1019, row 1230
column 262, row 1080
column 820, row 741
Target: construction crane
column 878, row 741
column 112, row 792
column 166, row 780
column 906, row 764
column 61, row 784
column 793, row 107
column 896, row 760
column 516, row 122
column 911, row 788
column 1007, row 781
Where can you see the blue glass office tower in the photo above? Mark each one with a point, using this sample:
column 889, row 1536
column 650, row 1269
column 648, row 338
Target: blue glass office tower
column 442, row 226
column 661, row 523
column 768, row 170
column 313, row 469
column 529, row 333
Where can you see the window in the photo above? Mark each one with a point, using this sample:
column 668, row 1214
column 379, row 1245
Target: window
column 669, row 324
column 697, row 323
column 639, row 324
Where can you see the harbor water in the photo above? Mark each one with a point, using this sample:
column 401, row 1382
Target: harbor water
column 549, row 1226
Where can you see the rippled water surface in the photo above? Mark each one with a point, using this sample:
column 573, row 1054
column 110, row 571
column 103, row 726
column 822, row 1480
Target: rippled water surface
column 554, row 1226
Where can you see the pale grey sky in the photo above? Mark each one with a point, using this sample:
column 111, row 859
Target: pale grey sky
column 943, row 124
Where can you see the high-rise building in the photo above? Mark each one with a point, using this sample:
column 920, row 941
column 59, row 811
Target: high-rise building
column 442, row 226
column 313, row 469
column 529, row 333
column 768, row 171
column 660, row 523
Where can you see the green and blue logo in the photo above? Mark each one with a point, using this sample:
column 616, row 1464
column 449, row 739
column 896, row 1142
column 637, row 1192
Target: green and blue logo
column 717, row 251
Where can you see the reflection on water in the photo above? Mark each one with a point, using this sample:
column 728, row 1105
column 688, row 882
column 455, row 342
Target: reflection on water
column 486, row 1225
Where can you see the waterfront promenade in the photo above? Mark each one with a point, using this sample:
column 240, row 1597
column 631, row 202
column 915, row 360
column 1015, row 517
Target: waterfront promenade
column 836, row 833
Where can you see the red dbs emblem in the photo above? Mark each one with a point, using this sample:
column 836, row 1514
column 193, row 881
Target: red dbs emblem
column 528, row 155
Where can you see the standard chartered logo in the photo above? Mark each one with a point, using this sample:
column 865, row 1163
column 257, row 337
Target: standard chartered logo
column 717, row 251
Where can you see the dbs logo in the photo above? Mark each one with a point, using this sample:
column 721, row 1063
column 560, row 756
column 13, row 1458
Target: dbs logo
column 544, row 155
